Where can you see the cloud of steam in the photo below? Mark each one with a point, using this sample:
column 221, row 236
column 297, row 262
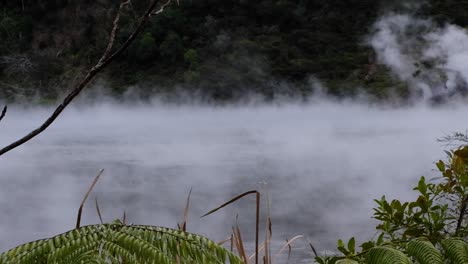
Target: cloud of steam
column 430, row 58
column 321, row 164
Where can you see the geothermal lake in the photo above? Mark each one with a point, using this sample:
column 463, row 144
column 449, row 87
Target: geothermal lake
column 319, row 165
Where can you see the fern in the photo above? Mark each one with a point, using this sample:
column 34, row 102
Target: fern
column 424, row 252
column 386, row 255
column 456, row 250
column 118, row 243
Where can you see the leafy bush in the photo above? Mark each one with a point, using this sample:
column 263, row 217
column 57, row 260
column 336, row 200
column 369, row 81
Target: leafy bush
column 432, row 229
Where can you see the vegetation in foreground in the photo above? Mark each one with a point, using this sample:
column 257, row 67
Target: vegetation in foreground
column 432, row 229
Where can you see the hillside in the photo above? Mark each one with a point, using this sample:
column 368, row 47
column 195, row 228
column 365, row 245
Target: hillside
column 218, row 49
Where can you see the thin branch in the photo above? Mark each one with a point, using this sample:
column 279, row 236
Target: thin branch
column 183, row 226
column 287, row 245
column 89, row 76
column 115, row 28
column 463, row 211
column 2, row 115
column 98, row 210
column 163, row 6
column 78, row 218
column 257, row 215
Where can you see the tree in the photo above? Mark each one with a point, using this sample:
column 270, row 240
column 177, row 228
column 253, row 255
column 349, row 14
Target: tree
column 107, row 57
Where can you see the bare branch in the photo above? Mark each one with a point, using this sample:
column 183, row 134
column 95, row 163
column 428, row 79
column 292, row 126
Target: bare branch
column 115, row 28
column 463, row 211
column 163, row 6
column 102, row 63
column 257, row 215
column 2, row 115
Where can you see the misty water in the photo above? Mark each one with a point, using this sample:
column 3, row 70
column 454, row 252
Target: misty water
column 320, row 164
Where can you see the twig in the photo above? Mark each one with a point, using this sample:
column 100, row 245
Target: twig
column 183, row 226
column 313, row 248
column 78, row 218
column 257, row 216
column 287, row 245
column 163, row 6
column 98, row 211
column 89, row 76
column 2, row 115
column 115, row 28
column 462, row 214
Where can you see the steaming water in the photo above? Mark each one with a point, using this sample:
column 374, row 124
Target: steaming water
column 321, row 165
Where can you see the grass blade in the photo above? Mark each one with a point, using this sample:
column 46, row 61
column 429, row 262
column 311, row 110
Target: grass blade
column 78, row 218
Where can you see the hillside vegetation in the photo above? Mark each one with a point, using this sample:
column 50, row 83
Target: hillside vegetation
column 220, row 49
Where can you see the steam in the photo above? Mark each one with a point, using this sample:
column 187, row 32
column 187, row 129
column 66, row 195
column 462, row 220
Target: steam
column 320, row 163
column 432, row 59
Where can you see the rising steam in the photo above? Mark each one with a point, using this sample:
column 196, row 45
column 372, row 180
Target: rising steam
column 432, row 59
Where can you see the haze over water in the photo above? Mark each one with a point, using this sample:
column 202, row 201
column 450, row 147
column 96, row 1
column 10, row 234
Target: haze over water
column 320, row 163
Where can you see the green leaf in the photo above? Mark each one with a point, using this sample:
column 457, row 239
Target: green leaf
column 367, row 245
column 424, row 251
column 352, row 245
column 422, row 187
column 440, row 165
column 111, row 242
column 386, row 255
column 455, row 249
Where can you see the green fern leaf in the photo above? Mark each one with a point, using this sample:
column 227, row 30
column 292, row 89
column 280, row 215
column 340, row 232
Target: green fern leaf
column 117, row 243
column 386, row 255
column 424, row 252
column 455, row 250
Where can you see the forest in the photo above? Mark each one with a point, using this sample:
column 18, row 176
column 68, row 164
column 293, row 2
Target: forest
column 217, row 50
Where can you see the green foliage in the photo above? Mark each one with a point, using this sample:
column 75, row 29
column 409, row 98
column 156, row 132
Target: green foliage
column 456, row 250
column 171, row 48
column 191, row 58
column 430, row 230
column 146, row 48
column 280, row 40
column 424, row 252
column 386, row 255
column 119, row 243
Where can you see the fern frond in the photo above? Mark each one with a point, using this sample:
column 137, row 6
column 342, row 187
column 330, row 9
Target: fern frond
column 117, row 243
column 424, row 252
column 386, row 255
column 456, row 250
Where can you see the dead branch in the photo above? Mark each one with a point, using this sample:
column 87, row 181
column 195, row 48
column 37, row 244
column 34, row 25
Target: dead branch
column 257, row 215
column 461, row 216
column 161, row 9
column 2, row 115
column 106, row 58
column 115, row 28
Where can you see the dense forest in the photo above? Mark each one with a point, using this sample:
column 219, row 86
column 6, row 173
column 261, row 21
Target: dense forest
column 218, row 49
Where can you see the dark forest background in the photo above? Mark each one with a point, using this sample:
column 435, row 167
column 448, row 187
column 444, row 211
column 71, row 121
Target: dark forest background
column 219, row 49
